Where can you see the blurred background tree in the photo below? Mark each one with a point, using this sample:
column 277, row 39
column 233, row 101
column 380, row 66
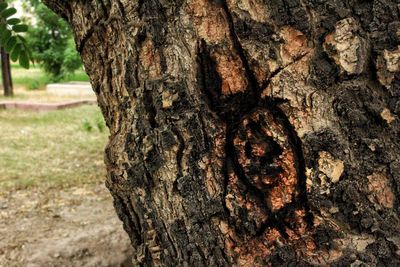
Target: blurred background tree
column 12, row 44
column 51, row 42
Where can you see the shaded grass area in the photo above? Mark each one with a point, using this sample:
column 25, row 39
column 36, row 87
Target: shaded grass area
column 52, row 149
column 35, row 78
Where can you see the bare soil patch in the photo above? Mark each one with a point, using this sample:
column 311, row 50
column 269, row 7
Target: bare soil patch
column 76, row 226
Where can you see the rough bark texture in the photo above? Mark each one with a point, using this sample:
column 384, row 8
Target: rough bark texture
column 6, row 73
column 249, row 132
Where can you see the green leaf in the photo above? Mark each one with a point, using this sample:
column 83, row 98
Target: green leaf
column 5, row 36
column 15, row 53
column 13, row 21
column 24, row 59
column 10, row 44
column 3, row 6
column 3, row 27
column 20, row 28
column 22, row 39
column 25, row 46
column 8, row 12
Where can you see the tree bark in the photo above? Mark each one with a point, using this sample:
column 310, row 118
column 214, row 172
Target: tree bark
column 249, row 132
column 6, row 73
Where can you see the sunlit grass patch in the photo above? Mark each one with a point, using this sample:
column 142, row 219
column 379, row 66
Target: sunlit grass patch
column 35, row 78
column 51, row 148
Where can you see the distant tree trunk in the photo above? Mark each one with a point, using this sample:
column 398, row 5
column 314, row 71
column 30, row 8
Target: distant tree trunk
column 249, row 132
column 6, row 73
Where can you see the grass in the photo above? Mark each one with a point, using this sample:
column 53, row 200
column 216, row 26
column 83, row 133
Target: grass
column 51, row 149
column 34, row 78
column 26, row 82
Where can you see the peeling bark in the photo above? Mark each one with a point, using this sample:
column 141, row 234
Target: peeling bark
column 249, row 132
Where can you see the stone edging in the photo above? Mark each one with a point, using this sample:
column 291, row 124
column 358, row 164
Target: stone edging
column 43, row 106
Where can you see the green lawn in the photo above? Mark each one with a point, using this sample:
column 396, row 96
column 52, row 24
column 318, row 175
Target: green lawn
column 51, row 149
column 35, row 78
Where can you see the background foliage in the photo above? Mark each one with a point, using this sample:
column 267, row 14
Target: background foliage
column 51, row 42
column 11, row 39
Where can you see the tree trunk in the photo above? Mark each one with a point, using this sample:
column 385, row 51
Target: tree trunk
column 249, row 132
column 6, row 73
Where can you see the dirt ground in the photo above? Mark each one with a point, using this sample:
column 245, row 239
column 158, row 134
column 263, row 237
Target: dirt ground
column 61, row 227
